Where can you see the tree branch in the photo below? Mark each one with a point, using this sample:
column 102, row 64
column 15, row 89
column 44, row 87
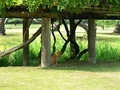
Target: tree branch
column 23, row 44
column 28, row 26
column 54, row 48
column 66, row 28
column 64, row 46
column 78, row 22
column 62, row 35
column 82, row 53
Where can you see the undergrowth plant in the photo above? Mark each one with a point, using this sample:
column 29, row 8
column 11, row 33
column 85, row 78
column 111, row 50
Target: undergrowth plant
column 104, row 51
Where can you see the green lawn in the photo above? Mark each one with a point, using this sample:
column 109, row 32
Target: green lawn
column 105, row 75
column 14, row 35
column 67, row 76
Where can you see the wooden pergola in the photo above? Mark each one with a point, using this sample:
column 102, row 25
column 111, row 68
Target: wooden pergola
column 46, row 15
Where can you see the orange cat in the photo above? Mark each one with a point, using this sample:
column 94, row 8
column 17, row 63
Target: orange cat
column 54, row 58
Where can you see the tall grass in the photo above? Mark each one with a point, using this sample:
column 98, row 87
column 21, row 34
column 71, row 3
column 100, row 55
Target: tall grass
column 34, row 53
column 107, row 48
column 104, row 51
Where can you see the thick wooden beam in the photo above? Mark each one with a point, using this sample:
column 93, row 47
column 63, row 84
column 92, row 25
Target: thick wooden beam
column 27, row 14
column 84, row 14
column 88, row 12
column 45, row 54
column 91, row 41
column 25, row 38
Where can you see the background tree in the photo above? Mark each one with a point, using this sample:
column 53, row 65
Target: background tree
column 2, row 26
column 117, row 29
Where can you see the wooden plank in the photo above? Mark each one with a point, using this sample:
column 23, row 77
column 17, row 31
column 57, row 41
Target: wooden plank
column 25, row 38
column 91, row 41
column 45, row 54
column 84, row 14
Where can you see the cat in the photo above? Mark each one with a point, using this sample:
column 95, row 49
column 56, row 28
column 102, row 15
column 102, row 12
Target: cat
column 54, row 58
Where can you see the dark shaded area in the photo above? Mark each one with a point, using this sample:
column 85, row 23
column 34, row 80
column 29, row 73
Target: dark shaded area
column 117, row 29
column 2, row 26
column 82, row 53
column 71, row 38
column 100, row 66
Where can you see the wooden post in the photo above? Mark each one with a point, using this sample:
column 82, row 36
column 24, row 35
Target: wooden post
column 45, row 54
column 25, row 38
column 91, row 41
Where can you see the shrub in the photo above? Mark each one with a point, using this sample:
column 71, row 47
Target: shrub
column 4, row 61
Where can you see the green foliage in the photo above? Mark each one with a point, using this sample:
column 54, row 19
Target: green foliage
column 107, row 23
column 33, row 4
column 107, row 52
column 2, row 7
column 34, row 53
column 4, row 61
column 61, row 5
column 15, row 59
column 13, row 2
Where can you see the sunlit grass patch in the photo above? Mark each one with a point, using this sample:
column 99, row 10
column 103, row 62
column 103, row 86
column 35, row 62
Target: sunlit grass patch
column 67, row 76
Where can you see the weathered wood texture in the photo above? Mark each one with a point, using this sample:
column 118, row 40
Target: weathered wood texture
column 91, row 41
column 25, row 38
column 82, row 15
column 45, row 55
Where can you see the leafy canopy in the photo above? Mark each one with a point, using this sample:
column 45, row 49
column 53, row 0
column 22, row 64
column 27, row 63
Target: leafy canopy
column 67, row 5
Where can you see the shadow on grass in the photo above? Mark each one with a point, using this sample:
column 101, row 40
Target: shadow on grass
column 12, row 34
column 114, row 34
column 101, row 66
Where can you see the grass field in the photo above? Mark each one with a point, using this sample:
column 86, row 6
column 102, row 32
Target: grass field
column 71, row 75
column 67, row 76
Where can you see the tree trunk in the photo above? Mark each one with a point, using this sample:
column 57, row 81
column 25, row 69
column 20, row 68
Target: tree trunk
column 91, row 41
column 74, row 48
column 84, row 26
column 45, row 54
column 72, row 38
column 117, row 29
column 25, row 38
column 2, row 26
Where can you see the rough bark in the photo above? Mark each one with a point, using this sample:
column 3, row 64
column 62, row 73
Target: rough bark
column 74, row 48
